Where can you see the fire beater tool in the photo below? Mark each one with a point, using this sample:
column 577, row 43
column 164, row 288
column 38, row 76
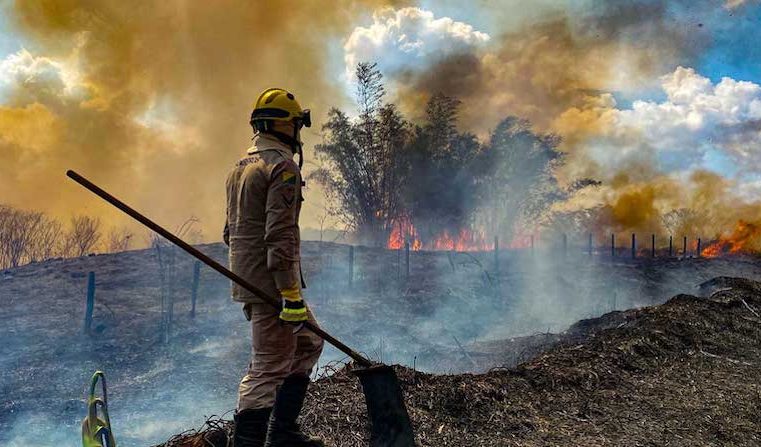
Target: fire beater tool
column 389, row 421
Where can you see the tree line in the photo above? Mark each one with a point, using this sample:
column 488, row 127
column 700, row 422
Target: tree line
column 33, row 236
column 382, row 170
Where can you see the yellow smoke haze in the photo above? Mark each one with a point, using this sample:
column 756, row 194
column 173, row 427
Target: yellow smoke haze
column 151, row 99
column 702, row 205
column 542, row 70
column 559, row 73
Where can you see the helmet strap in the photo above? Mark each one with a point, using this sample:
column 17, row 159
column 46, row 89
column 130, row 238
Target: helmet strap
column 299, row 149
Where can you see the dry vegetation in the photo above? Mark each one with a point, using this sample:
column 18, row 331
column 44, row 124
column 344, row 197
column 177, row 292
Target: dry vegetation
column 33, row 236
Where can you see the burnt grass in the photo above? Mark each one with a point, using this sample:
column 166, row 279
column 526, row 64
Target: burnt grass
column 684, row 373
column 455, row 314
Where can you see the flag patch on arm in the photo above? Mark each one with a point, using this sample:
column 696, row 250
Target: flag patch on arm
column 289, row 178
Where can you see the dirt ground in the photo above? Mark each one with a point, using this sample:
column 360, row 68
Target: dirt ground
column 685, row 373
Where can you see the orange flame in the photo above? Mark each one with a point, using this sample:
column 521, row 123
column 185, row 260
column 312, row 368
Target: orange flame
column 746, row 238
column 402, row 231
column 465, row 240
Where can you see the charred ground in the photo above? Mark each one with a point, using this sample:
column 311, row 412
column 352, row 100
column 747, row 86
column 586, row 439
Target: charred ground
column 456, row 313
column 685, row 373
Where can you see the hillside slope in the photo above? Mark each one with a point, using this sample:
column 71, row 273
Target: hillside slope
column 455, row 313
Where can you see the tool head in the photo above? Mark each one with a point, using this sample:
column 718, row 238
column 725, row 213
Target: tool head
column 389, row 421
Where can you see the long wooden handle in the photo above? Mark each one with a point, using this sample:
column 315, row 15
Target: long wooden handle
column 274, row 302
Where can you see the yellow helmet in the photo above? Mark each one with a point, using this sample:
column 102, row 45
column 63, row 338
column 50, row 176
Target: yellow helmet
column 277, row 104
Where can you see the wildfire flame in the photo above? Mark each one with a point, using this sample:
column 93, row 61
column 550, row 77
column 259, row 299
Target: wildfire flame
column 464, row 240
column 745, row 238
column 401, row 232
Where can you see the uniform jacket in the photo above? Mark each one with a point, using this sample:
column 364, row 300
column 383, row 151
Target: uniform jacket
column 262, row 228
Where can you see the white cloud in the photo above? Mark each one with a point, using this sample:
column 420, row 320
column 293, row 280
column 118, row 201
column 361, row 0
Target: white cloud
column 22, row 71
column 734, row 4
column 697, row 116
column 403, row 38
column 750, row 190
column 684, row 85
column 34, row 78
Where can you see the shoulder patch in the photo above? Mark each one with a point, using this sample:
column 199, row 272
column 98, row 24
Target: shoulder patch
column 289, row 178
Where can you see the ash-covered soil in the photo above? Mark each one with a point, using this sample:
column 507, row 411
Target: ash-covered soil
column 456, row 313
column 685, row 373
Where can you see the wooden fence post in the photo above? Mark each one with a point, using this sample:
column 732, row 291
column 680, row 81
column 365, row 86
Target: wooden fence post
column 532, row 244
column 652, row 245
column 194, row 291
column 399, row 263
column 351, row 265
column 496, row 255
column 407, row 257
column 634, row 245
column 697, row 253
column 90, row 306
column 684, row 249
column 613, row 245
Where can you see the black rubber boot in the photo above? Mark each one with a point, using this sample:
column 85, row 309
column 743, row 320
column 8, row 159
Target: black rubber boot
column 283, row 430
column 251, row 427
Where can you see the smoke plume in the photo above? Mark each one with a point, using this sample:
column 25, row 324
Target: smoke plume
column 567, row 74
column 151, row 100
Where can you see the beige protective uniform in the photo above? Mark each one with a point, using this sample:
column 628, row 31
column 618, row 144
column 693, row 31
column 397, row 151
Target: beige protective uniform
column 263, row 205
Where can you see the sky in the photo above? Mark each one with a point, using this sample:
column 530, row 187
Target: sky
column 152, row 99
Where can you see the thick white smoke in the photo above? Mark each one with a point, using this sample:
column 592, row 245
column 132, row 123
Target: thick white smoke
column 409, row 38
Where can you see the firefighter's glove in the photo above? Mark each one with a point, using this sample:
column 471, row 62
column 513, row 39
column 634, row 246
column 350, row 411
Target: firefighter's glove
column 294, row 309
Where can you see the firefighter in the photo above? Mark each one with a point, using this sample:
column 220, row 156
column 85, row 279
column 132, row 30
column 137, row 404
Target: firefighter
column 262, row 230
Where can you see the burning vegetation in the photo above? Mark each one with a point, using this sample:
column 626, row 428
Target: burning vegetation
column 424, row 182
column 393, row 180
column 403, row 232
column 463, row 146
column 746, row 238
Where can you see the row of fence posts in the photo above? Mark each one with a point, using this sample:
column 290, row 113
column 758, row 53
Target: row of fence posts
column 591, row 248
column 698, row 248
column 90, row 298
column 590, row 251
